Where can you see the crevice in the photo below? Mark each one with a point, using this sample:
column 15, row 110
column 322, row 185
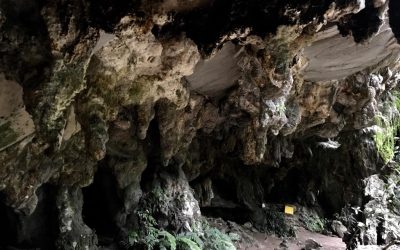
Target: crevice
column 361, row 25
column 101, row 205
column 154, row 162
column 105, row 14
column 8, row 225
column 394, row 18
column 38, row 230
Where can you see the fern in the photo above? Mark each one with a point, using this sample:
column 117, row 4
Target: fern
column 216, row 240
column 166, row 240
column 193, row 237
column 184, row 243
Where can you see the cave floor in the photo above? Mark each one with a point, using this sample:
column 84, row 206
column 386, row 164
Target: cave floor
column 264, row 241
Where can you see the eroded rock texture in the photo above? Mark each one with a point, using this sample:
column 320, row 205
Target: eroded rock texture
column 114, row 112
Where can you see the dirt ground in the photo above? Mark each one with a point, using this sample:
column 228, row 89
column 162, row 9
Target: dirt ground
column 271, row 242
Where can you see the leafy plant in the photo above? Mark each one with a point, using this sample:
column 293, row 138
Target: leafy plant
column 274, row 222
column 384, row 138
column 185, row 243
column 281, row 108
column 216, row 240
column 389, row 124
column 151, row 237
column 195, row 237
column 166, row 240
column 314, row 223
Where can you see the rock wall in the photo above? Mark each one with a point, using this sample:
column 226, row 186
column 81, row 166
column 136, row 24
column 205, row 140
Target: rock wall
column 173, row 107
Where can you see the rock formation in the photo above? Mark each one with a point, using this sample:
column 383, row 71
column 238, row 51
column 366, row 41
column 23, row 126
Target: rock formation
column 124, row 119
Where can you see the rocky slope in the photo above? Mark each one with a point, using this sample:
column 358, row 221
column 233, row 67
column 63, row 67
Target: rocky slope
column 121, row 120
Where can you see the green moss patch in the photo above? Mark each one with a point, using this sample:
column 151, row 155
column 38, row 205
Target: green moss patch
column 7, row 135
column 389, row 124
column 384, row 142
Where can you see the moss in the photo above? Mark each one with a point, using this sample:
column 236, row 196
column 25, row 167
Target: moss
column 384, row 142
column 57, row 95
column 384, row 138
column 396, row 101
column 389, row 123
column 7, row 135
column 140, row 87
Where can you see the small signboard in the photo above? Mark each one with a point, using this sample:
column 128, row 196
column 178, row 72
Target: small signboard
column 289, row 209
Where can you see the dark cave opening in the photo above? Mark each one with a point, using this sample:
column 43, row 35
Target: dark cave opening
column 303, row 187
column 8, row 224
column 38, row 230
column 106, row 14
column 239, row 215
column 154, row 161
column 290, row 189
column 225, row 204
column 101, row 205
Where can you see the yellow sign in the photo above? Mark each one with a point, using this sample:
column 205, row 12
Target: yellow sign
column 289, row 209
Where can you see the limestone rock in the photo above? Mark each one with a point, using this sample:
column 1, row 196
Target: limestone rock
column 311, row 244
column 172, row 108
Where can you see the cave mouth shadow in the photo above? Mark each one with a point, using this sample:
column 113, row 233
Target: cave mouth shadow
column 36, row 231
column 101, row 205
column 8, row 224
column 236, row 214
column 225, row 204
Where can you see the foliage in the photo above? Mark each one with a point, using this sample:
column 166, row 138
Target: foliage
column 389, row 124
column 348, row 217
column 195, row 237
column 7, row 135
column 274, row 222
column 150, row 237
column 281, row 108
column 234, row 237
column 185, row 243
column 314, row 223
column 216, row 240
column 384, row 138
column 167, row 240
column 396, row 101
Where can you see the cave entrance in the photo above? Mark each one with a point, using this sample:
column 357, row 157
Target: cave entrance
column 38, row 230
column 101, row 205
column 8, row 224
column 225, row 204
column 236, row 214
column 290, row 189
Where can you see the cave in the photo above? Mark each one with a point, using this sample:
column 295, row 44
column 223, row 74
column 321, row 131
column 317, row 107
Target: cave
column 8, row 233
column 36, row 230
column 225, row 204
column 202, row 124
column 101, row 205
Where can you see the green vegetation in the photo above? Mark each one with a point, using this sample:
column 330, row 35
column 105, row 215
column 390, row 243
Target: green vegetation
column 389, row 124
column 314, row 223
column 7, row 135
column 281, row 108
column 384, row 140
column 187, row 244
column 274, row 222
column 150, row 237
column 216, row 240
